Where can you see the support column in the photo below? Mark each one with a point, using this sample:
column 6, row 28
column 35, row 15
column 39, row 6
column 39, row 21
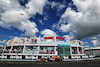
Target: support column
column 24, row 49
column 39, row 39
column 4, row 50
column 82, row 50
column 70, row 50
column 55, row 39
column 55, row 49
column 78, row 50
column 33, row 49
column 38, row 49
column 11, row 49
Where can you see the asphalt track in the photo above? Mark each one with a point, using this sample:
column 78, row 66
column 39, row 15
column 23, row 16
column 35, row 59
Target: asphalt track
column 93, row 63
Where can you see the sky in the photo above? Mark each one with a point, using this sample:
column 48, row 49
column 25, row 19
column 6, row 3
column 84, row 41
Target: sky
column 78, row 19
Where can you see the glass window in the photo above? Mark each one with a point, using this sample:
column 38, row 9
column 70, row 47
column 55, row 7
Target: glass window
column 22, row 41
column 80, row 50
column 27, row 41
column 7, row 50
column 46, row 50
column 35, row 49
column 15, row 49
column 20, row 49
column 29, row 47
column 89, row 52
column 60, row 50
column 74, row 50
column 63, row 50
column 29, row 50
column 66, row 50
column 32, row 40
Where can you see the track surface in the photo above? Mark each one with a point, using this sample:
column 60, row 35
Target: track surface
column 93, row 63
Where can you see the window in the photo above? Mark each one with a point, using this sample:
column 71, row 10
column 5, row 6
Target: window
column 22, row 41
column 66, row 50
column 29, row 47
column 80, row 50
column 15, row 49
column 7, row 49
column 27, row 41
column 20, row 49
column 62, row 50
column 46, row 50
column 74, row 50
column 32, row 40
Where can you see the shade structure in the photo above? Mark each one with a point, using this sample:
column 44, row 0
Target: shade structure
column 48, row 37
column 62, row 38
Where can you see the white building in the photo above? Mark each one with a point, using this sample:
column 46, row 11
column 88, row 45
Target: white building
column 93, row 51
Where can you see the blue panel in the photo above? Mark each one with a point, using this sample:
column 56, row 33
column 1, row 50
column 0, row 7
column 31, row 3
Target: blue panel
column 63, row 45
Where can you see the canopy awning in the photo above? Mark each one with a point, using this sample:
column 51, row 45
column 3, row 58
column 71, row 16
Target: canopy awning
column 62, row 38
column 48, row 37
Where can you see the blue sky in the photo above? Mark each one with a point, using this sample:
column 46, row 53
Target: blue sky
column 26, row 18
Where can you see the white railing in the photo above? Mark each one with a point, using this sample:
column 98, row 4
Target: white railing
column 66, row 43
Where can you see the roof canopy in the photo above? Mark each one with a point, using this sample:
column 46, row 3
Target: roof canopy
column 48, row 37
column 62, row 38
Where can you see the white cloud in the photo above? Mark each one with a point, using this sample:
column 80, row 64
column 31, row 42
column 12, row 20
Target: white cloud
column 2, row 24
column 83, row 23
column 65, row 28
column 44, row 18
column 95, row 41
column 35, row 6
column 4, row 5
column 48, row 32
column 1, row 46
column 57, row 5
column 41, row 22
column 86, row 46
column 4, row 41
column 98, row 36
column 67, row 37
column 10, row 36
column 86, row 42
column 9, row 5
column 29, row 27
column 93, row 38
column 12, row 14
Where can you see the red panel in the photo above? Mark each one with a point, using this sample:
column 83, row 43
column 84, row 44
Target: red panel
column 48, row 37
column 60, row 38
